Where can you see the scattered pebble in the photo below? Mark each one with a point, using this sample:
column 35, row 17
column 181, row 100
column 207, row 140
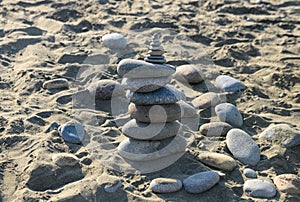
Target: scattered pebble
column 187, row 110
column 189, row 73
column 165, row 185
column 228, row 113
column 201, row 182
column 207, row 100
column 56, row 84
column 215, row 129
column 217, row 160
column 111, row 184
column 229, row 84
column 288, row 183
column 259, row 189
column 53, row 125
column 250, row 173
column 243, row 147
column 72, row 132
column 114, row 41
column 106, row 89
column 65, row 159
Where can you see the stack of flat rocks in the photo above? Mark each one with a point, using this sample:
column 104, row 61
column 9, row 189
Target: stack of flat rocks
column 152, row 135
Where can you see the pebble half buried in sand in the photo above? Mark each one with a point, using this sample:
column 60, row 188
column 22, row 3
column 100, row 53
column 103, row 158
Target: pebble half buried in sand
column 106, row 89
column 56, row 84
column 259, row 189
column 65, row 159
column 201, row 182
column 215, row 129
column 189, row 73
column 207, row 100
column 114, row 41
column 243, row 147
column 165, row 185
column 228, row 113
column 229, row 84
column 72, row 132
column 288, row 183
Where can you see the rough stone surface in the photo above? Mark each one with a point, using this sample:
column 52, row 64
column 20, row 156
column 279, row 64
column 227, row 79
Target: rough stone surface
column 259, row 189
column 72, row 132
column 56, row 84
column 288, row 183
column 243, row 147
column 164, row 95
column 217, row 160
column 189, row 73
column 228, row 113
column 229, row 84
column 114, row 41
column 65, row 159
column 215, row 129
column 250, row 173
column 130, row 68
column 106, row 89
column 165, row 185
column 201, row 182
column 281, row 134
column 154, row 131
column 144, row 85
column 207, row 100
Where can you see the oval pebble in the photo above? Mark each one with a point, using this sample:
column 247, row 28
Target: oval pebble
column 65, row 159
column 228, row 113
column 189, row 73
column 243, row 147
column 217, row 160
column 288, row 183
column 229, row 84
column 106, row 89
column 259, row 189
column 114, row 41
column 165, row 185
column 201, row 182
column 215, row 129
column 250, row 173
column 56, row 84
column 207, row 100
column 72, row 132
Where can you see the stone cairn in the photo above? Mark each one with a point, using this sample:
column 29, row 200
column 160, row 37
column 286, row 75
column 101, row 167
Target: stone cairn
column 152, row 142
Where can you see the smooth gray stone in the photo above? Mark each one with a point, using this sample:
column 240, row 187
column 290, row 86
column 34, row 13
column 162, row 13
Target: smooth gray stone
column 145, row 85
column 156, row 52
column 164, row 95
column 189, row 73
column 106, row 89
column 250, row 173
column 207, row 100
column 165, row 185
column 243, row 147
column 187, row 110
column 228, row 113
column 130, row 68
column 221, row 161
column 155, row 59
column 215, row 129
column 72, row 132
column 56, row 84
column 259, row 189
column 114, row 41
column 229, row 84
column 201, row 182
column 153, row 131
column 65, row 159
column 281, row 134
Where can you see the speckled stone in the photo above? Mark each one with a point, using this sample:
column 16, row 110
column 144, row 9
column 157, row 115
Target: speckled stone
column 201, row 182
column 106, row 89
column 288, row 183
column 189, row 73
column 250, row 173
column 215, row 129
column 72, row 132
column 259, row 189
column 155, row 113
column 217, row 160
column 243, row 147
column 65, row 159
column 164, row 95
column 130, row 68
column 207, row 100
column 154, row 131
column 165, row 185
column 114, row 41
column 144, row 85
column 228, row 113
column 229, row 84
column 281, row 134
column 56, row 84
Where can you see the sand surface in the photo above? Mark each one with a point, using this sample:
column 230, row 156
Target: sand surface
column 257, row 43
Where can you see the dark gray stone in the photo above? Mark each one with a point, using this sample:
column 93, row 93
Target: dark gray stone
column 228, row 113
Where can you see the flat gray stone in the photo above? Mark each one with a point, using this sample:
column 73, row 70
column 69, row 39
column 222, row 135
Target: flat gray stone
column 165, row 185
column 201, row 182
column 281, row 134
column 145, row 85
column 250, row 173
column 215, row 129
column 207, row 100
column 189, row 73
column 288, row 183
column 259, row 189
column 130, row 68
column 229, row 84
column 243, row 147
column 164, row 95
column 56, row 84
column 65, row 159
column 155, row 113
column 114, row 41
column 228, row 113
column 216, row 160
column 154, row 131
column 106, row 89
